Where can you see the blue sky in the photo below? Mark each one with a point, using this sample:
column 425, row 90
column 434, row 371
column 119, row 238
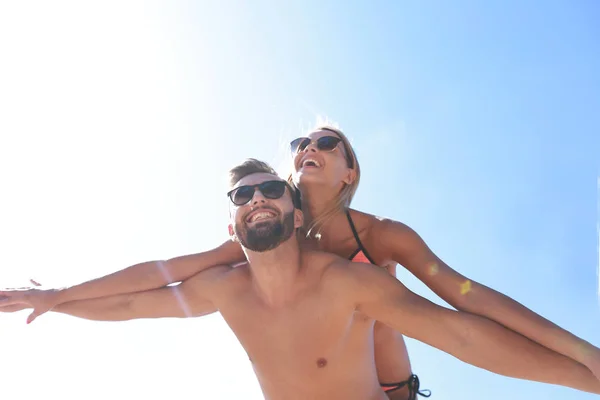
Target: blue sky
column 475, row 123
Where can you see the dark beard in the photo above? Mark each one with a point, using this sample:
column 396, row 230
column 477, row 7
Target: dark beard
column 266, row 235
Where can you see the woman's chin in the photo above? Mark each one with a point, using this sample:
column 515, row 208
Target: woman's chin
column 308, row 177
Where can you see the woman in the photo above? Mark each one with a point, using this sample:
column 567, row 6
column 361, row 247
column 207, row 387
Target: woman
column 327, row 173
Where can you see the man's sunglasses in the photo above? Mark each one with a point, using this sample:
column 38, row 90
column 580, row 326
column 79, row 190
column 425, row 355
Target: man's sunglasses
column 324, row 143
column 270, row 189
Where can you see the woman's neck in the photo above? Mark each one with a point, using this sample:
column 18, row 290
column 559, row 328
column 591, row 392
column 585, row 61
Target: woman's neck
column 316, row 201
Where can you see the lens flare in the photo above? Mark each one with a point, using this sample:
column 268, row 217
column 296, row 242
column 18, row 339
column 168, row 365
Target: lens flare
column 180, row 299
column 465, row 287
column 433, row 269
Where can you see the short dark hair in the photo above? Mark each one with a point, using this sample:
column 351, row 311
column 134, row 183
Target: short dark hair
column 253, row 166
column 248, row 167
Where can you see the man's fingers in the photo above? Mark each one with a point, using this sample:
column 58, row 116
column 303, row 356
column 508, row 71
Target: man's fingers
column 32, row 317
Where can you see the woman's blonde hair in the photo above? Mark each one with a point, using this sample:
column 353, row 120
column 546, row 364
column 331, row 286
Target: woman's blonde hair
column 344, row 198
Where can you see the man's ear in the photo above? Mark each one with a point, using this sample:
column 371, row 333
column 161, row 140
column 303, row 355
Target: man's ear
column 350, row 176
column 298, row 218
column 232, row 235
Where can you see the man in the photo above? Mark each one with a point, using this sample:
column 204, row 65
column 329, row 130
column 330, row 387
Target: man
column 305, row 318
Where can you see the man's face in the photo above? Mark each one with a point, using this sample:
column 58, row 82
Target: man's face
column 263, row 223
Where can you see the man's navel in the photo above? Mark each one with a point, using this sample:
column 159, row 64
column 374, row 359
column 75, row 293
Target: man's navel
column 321, row 363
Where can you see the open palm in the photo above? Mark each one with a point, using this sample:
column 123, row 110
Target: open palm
column 40, row 300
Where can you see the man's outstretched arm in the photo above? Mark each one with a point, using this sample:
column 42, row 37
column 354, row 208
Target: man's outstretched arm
column 405, row 246
column 187, row 299
column 136, row 278
column 470, row 338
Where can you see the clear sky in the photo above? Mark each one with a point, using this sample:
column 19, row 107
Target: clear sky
column 476, row 123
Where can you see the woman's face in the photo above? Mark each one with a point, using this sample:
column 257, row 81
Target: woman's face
column 321, row 158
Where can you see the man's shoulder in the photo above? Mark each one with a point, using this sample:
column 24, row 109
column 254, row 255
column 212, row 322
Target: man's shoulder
column 219, row 282
column 320, row 258
column 336, row 270
column 346, row 278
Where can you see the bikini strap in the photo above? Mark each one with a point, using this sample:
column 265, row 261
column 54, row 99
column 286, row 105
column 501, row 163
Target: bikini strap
column 413, row 387
column 354, row 232
column 357, row 238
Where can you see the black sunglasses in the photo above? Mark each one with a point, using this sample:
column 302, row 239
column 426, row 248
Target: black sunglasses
column 270, row 189
column 324, row 143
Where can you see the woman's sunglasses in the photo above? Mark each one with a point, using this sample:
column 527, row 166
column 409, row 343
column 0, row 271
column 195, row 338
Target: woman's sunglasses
column 270, row 189
column 324, row 143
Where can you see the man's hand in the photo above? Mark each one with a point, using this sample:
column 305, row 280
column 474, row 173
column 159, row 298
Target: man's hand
column 41, row 300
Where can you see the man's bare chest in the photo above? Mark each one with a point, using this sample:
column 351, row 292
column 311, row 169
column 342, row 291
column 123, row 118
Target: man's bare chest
column 313, row 331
